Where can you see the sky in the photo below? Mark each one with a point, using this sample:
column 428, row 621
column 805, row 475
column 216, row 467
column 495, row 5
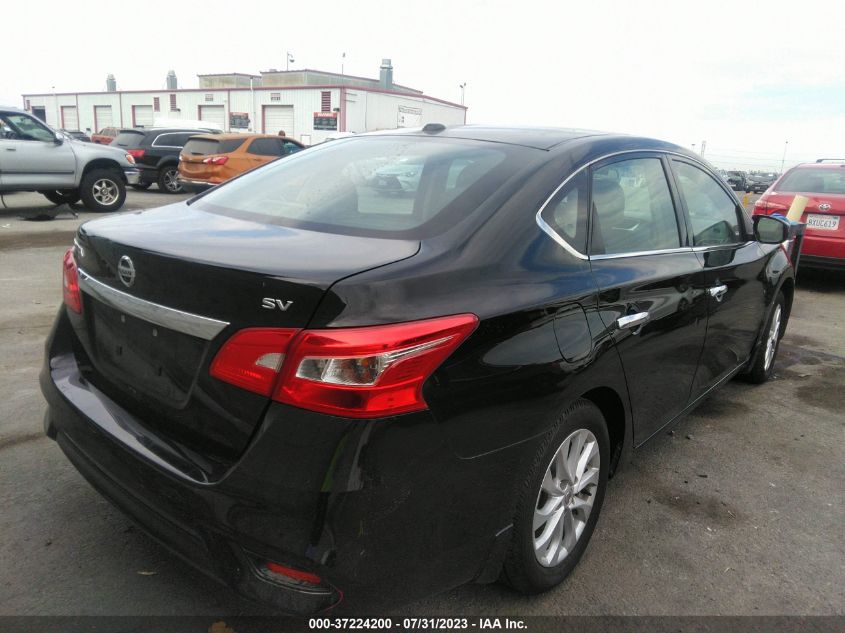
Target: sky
column 756, row 81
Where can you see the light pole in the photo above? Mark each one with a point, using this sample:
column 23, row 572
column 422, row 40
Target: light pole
column 783, row 158
column 342, row 60
column 288, row 60
column 58, row 114
column 462, row 87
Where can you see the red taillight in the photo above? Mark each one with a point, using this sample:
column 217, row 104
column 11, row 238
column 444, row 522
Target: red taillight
column 135, row 153
column 70, row 283
column 369, row 372
column 215, row 160
column 295, row 574
column 252, row 358
column 364, row 372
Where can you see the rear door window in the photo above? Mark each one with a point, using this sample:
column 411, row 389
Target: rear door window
column 632, row 208
column 265, row 147
column 712, row 212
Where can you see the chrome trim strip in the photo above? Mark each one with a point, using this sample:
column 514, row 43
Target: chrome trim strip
column 548, row 230
column 170, row 318
column 664, row 251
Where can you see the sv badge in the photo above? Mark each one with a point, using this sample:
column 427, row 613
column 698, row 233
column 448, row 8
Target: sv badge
column 269, row 303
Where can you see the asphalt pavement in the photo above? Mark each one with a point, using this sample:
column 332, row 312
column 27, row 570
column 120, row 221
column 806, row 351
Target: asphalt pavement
column 738, row 510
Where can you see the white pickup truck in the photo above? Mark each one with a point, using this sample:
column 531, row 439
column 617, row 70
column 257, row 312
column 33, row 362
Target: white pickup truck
column 34, row 157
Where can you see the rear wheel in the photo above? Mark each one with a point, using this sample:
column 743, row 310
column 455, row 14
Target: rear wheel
column 65, row 196
column 168, row 179
column 764, row 360
column 103, row 190
column 560, row 501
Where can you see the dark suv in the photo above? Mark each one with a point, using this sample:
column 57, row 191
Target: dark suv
column 156, row 152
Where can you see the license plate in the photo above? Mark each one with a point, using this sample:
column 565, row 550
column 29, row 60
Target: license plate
column 823, row 222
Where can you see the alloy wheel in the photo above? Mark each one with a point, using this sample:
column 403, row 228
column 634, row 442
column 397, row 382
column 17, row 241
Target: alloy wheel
column 171, row 182
column 105, row 191
column 772, row 338
column 566, row 497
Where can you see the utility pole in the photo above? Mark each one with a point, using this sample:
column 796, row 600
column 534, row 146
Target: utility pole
column 462, row 87
column 703, row 145
column 288, row 60
column 783, row 159
column 342, row 60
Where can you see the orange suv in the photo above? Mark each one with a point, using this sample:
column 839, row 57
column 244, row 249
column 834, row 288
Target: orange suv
column 209, row 159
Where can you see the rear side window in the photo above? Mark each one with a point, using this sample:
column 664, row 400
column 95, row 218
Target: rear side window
column 290, row 148
column 265, row 147
column 128, row 140
column 812, row 180
column 172, row 139
column 566, row 213
column 632, row 208
column 712, row 211
column 204, row 146
column 381, row 186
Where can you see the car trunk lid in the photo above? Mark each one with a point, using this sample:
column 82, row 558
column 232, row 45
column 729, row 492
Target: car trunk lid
column 165, row 288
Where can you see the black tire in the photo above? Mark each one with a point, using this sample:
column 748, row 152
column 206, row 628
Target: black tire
column 522, row 569
column 142, row 186
column 167, row 179
column 103, row 190
column 764, row 364
column 66, row 196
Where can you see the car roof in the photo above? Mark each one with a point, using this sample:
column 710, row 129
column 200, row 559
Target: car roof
column 229, row 136
column 536, row 137
column 831, row 165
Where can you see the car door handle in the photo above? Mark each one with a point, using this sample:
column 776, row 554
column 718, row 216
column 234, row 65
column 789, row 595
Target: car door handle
column 718, row 292
column 11, row 149
column 633, row 321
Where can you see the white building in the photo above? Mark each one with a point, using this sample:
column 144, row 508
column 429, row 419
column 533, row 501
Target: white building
column 308, row 105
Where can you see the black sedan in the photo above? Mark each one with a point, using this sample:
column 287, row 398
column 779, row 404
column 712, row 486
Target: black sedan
column 317, row 393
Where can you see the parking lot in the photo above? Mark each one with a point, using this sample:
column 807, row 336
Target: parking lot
column 737, row 510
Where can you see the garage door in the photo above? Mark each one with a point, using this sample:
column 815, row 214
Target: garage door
column 213, row 114
column 142, row 116
column 278, row 118
column 102, row 117
column 70, row 120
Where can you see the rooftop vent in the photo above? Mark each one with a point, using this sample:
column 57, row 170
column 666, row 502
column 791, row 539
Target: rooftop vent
column 111, row 83
column 172, row 83
column 386, row 74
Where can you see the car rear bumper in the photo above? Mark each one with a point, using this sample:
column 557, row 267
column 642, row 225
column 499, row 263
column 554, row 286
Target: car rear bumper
column 383, row 511
column 826, row 263
column 822, row 251
column 195, row 186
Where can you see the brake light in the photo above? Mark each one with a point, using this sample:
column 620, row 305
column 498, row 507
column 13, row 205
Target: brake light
column 295, row 574
column 215, row 160
column 363, row 372
column 70, row 283
column 130, row 159
column 252, row 358
column 136, row 153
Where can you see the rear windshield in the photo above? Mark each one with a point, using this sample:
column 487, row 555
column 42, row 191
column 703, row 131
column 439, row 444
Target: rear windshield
column 812, row 180
column 203, row 146
column 128, row 140
column 380, row 186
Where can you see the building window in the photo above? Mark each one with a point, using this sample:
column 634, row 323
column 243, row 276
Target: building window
column 172, row 102
column 209, row 97
column 325, row 101
column 275, row 96
column 156, row 104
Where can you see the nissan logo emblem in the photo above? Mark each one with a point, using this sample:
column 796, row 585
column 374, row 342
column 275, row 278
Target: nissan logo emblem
column 824, row 206
column 126, row 271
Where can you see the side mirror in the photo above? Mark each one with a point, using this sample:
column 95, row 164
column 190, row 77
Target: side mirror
column 771, row 229
column 58, row 139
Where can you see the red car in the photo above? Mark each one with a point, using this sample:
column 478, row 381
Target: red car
column 824, row 184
